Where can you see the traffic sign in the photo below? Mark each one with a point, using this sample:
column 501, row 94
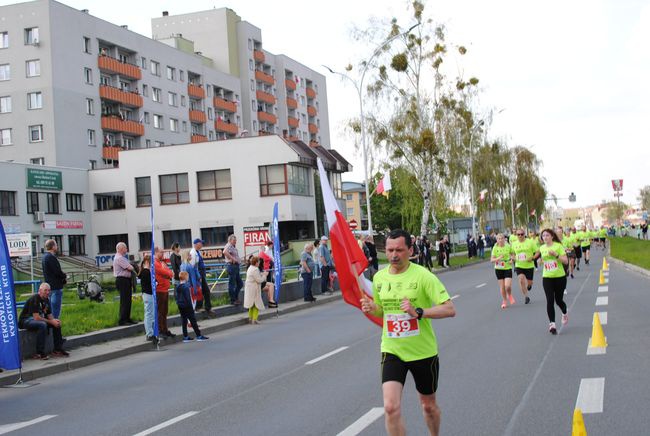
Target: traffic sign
column 353, row 224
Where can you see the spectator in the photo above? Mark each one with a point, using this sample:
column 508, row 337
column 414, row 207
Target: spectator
column 194, row 278
column 54, row 276
column 307, row 271
column 37, row 316
column 163, row 282
column 481, row 246
column 372, row 253
column 122, row 271
column 644, row 229
column 197, row 262
column 416, row 253
column 266, row 256
column 317, row 263
column 147, row 295
column 186, row 308
column 427, row 253
column 447, row 246
column 267, row 285
column 442, row 253
column 326, row 264
column 175, row 261
column 255, row 284
column 234, row 279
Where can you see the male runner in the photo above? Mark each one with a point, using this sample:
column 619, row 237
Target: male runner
column 404, row 294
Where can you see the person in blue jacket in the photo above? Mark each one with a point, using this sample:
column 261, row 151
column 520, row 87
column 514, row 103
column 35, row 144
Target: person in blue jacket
column 184, row 303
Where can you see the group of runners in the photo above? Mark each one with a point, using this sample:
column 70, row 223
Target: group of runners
column 560, row 251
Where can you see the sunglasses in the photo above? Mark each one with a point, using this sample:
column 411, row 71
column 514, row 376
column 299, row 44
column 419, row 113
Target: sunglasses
column 520, row 234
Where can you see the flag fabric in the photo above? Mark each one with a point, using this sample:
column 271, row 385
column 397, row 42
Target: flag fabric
column 518, row 205
column 277, row 261
column 348, row 257
column 481, row 196
column 533, row 212
column 10, row 341
column 153, row 279
column 384, row 185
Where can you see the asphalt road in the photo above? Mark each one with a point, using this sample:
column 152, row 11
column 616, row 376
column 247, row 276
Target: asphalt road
column 501, row 372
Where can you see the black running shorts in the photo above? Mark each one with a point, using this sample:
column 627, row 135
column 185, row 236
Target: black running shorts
column 503, row 274
column 578, row 252
column 424, row 372
column 587, row 248
column 528, row 272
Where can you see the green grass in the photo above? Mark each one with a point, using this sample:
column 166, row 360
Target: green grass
column 631, row 250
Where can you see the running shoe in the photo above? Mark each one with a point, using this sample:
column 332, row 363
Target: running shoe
column 503, row 305
column 565, row 318
column 530, row 287
column 571, row 275
column 527, row 300
column 578, row 267
column 187, row 339
column 511, row 299
column 202, row 338
column 552, row 329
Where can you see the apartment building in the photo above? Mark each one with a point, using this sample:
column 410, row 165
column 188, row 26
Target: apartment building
column 354, row 194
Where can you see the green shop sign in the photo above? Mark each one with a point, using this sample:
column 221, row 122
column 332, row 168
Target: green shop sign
column 44, row 179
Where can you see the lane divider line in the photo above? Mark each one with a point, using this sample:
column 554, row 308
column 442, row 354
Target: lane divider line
column 455, row 296
column 360, row 424
column 481, row 285
column 603, row 318
column 590, row 395
column 603, row 288
column 602, row 301
column 166, row 423
column 7, row 428
column 326, row 355
column 593, row 351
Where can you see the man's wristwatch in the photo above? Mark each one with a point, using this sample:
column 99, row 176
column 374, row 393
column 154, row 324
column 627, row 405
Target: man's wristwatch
column 419, row 311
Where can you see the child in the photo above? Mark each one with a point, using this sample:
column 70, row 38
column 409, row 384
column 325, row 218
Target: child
column 184, row 302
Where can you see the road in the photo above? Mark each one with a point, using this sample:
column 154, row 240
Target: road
column 316, row 372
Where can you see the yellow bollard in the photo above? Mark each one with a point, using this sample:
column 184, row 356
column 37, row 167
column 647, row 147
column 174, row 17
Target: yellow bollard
column 597, row 334
column 578, row 424
column 605, row 266
column 602, row 278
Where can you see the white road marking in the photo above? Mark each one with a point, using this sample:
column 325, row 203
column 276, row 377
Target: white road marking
column 606, row 273
column 481, row 285
column 7, row 428
column 602, row 301
column 590, row 395
column 166, row 423
column 603, row 318
column 455, row 296
column 325, row 356
column 591, row 351
column 603, row 288
column 360, row 424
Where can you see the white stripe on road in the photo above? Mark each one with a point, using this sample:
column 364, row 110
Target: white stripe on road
column 591, row 351
column 360, row 424
column 455, row 296
column 606, row 273
column 325, row 356
column 603, row 318
column 603, row 288
column 481, row 285
column 602, row 301
column 166, row 423
column 590, row 395
column 6, row 428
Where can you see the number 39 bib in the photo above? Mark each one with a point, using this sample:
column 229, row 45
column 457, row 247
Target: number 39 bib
column 401, row 325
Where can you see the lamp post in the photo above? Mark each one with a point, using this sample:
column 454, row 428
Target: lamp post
column 359, row 87
column 471, row 179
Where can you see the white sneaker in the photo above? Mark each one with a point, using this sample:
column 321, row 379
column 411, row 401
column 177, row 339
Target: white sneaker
column 565, row 318
column 551, row 328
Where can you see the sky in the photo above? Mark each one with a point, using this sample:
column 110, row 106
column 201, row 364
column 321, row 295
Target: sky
column 570, row 78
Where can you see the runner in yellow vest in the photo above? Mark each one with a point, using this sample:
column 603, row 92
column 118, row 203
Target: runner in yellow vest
column 568, row 241
column 602, row 233
column 553, row 277
column 577, row 239
column 501, row 257
column 585, row 243
column 524, row 252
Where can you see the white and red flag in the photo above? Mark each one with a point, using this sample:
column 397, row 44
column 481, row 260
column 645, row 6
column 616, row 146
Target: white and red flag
column 348, row 256
column 482, row 195
column 533, row 212
column 384, row 185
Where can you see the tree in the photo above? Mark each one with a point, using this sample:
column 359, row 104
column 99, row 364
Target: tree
column 528, row 186
column 615, row 211
column 644, row 197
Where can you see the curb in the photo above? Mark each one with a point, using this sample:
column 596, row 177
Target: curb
column 630, row 266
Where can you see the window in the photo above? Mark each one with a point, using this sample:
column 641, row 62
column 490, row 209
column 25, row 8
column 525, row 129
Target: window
column 158, row 143
column 156, row 95
column 52, row 202
column 4, row 39
column 183, row 237
column 272, row 180
column 145, row 241
column 147, row 143
column 7, row 203
column 107, row 243
column 145, row 90
column 210, row 114
column 33, row 68
column 37, row 161
column 171, row 73
column 174, row 188
column 143, row 191
column 34, row 100
column 155, row 68
column 173, row 125
column 73, row 202
column 172, row 99
column 88, row 76
column 215, row 236
column 32, row 202
column 31, row 36
column 36, row 133
column 349, row 212
column 92, row 164
column 5, row 72
column 5, row 104
column 182, row 75
column 143, row 62
column 298, row 180
column 86, row 44
column 250, row 44
column 90, row 106
column 335, row 183
column 348, row 197
column 214, row 185
column 251, row 65
column 146, row 118
column 77, row 245
column 183, row 101
column 91, row 137
column 109, row 201
column 184, row 126
column 127, row 142
column 157, row 121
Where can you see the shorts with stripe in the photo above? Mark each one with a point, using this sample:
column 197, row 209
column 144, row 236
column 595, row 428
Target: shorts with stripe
column 424, row 372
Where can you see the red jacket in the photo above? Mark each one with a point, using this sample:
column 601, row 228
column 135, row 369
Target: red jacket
column 163, row 276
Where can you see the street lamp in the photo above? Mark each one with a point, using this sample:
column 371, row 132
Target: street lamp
column 359, row 87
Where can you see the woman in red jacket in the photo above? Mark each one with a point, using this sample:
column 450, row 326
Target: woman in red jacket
column 163, row 281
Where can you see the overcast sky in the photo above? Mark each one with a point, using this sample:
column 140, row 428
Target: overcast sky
column 572, row 76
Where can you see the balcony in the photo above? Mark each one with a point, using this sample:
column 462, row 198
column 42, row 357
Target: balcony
column 197, row 116
column 223, row 126
column 198, row 138
column 292, row 138
column 114, row 66
column 293, row 122
column 313, row 128
column 225, row 105
column 313, row 143
column 116, row 124
column 290, row 84
column 292, row 103
column 195, row 91
column 310, row 92
column 263, row 77
column 258, row 55
column 311, row 110
column 111, row 152
column 127, row 98
column 265, row 97
column 267, row 117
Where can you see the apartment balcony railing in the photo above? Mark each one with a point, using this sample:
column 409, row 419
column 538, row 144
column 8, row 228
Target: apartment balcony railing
column 263, row 77
column 223, row 126
column 115, row 66
column 267, row 117
column 197, row 116
column 225, row 105
column 195, row 91
column 116, row 124
column 126, row 98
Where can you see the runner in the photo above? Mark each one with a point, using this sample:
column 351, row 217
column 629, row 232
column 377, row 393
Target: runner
column 554, row 278
column 513, row 236
column 404, row 293
column 577, row 238
column 524, row 252
column 568, row 242
column 585, row 244
column 537, row 242
column 501, row 257
column 602, row 233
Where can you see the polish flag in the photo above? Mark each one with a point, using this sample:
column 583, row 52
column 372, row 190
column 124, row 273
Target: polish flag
column 384, row 185
column 348, row 256
column 518, row 206
column 481, row 196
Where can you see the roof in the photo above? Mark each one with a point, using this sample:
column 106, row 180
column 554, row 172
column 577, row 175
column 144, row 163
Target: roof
column 353, row 187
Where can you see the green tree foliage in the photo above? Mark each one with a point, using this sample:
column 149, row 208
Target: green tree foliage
column 615, row 211
column 644, row 197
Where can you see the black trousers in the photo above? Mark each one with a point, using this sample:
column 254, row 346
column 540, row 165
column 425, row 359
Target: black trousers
column 205, row 289
column 123, row 285
column 554, row 290
column 42, row 328
column 324, row 279
column 187, row 314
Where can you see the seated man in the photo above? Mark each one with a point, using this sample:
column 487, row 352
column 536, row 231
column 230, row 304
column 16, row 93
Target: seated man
column 37, row 316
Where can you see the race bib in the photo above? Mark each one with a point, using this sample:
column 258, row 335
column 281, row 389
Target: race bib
column 521, row 256
column 550, row 265
column 500, row 264
column 401, row 325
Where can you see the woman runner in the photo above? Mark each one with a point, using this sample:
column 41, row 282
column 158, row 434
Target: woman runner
column 554, row 277
column 567, row 241
column 576, row 247
column 524, row 251
column 500, row 256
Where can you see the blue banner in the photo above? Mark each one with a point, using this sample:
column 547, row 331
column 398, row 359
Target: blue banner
column 277, row 261
column 153, row 279
column 9, row 340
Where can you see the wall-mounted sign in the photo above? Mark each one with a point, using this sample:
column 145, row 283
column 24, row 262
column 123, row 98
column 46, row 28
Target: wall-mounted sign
column 256, row 236
column 63, row 224
column 44, row 179
column 20, row 244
